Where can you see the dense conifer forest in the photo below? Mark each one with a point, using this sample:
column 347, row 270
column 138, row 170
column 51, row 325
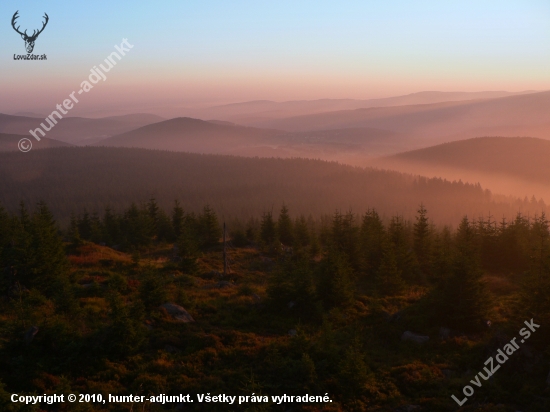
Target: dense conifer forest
column 137, row 301
column 93, row 178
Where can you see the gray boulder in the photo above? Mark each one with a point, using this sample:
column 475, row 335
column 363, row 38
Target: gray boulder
column 171, row 349
column 448, row 373
column 223, row 284
column 414, row 337
column 444, row 333
column 30, row 334
column 395, row 317
column 177, row 312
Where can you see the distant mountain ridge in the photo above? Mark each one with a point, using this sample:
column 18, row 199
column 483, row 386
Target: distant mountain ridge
column 77, row 130
column 221, row 137
column 351, row 136
column 193, row 135
column 511, row 165
column 8, row 143
column 524, row 157
column 525, row 114
column 254, row 112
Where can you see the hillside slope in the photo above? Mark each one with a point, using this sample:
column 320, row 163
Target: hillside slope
column 511, row 165
column 523, row 157
column 74, row 179
column 260, row 110
column 8, row 142
column 193, row 135
column 220, row 137
column 77, row 130
column 521, row 115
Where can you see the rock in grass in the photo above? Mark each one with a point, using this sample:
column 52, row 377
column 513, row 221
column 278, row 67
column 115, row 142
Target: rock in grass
column 395, row 317
column 444, row 333
column 414, row 337
column 171, row 349
column 223, row 284
column 177, row 312
column 30, row 334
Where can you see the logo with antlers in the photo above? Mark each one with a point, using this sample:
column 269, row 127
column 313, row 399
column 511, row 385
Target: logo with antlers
column 29, row 40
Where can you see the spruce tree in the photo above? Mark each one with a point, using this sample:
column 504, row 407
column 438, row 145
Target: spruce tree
column 6, row 233
column 372, row 238
column 4, row 229
column 535, row 291
column 85, row 226
column 111, row 225
column 441, row 255
column 165, row 230
column 49, row 267
column 302, row 236
column 335, row 287
column 98, row 233
column 398, row 235
column 152, row 290
column 293, row 281
column 126, row 334
column 18, row 254
column 209, row 228
column 188, row 249
column 284, row 227
column 389, row 278
column 345, row 237
column 178, row 219
column 153, row 210
column 464, row 300
column 267, row 229
column 74, row 233
column 137, row 227
column 422, row 240
column 24, row 217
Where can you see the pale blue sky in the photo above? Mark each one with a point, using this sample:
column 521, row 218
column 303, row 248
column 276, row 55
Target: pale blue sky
column 191, row 52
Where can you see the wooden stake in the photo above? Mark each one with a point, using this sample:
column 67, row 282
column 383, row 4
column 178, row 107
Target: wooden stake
column 224, row 253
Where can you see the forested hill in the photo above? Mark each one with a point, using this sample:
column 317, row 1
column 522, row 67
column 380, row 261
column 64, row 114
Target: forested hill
column 9, row 142
column 520, row 157
column 77, row 178
column 78, row 130
column 193, row 135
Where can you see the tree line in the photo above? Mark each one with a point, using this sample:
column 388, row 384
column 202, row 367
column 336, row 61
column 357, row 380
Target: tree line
column 321, row 263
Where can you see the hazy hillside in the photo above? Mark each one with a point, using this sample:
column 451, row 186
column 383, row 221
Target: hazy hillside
column 222, row 137
column 193, row 135
column 77, row 130
column 8, row 143
column 362, row 141
column 261, row 110
column 521, row 115
column 72, row 179
column 517, row 165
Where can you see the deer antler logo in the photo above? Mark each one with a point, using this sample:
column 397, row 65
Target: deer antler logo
column 29, row 40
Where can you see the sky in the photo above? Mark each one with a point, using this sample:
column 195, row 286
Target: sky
column 200, row 53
